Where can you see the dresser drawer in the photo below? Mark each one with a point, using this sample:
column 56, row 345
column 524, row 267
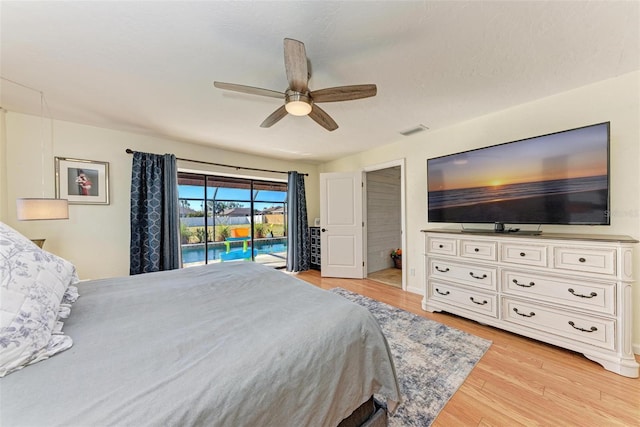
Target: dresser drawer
column 514, row 253
column 591, row 260
column 478, row 250
column 441, row 245
column 593, row 296
column 472, row 275
column 478, row 302
column 590, row 330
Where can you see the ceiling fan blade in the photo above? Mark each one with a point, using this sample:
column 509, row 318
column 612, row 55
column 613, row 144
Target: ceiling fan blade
column 274, row 117
column 295, row 64
column 249, row 89
column 322, row 118
column 343, row 93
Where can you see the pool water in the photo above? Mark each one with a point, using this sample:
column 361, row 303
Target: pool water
column 195, row 253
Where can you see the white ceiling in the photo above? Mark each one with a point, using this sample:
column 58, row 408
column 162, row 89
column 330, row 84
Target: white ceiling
column 149, row 66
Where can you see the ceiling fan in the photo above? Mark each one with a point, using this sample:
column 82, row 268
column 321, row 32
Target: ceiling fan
column 298, row 100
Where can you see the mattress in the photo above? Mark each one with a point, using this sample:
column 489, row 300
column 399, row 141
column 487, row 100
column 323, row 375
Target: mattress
column 233, row 344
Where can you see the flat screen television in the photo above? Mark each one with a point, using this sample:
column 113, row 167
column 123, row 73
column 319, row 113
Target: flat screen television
column 559, row 178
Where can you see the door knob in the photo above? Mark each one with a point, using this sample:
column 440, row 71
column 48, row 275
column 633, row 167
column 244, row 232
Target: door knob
column 323, row 230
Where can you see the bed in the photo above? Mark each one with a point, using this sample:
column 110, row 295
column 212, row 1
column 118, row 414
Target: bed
column 232, row 344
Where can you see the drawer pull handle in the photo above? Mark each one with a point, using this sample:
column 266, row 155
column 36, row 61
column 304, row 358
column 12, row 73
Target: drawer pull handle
column 442, row 293
column 479, row 303
column 593, row 294
column 477, row 250
column 573, row 325
column 524, row 314
column 484, row 276
column 523, row 285
column 522, row 254
column 442, row 270
column 441, row 246
column 582, row 259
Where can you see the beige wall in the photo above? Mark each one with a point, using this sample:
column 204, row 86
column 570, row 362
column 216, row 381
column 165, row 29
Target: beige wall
column 96, row 237
column 615, row 100
column 3, row 162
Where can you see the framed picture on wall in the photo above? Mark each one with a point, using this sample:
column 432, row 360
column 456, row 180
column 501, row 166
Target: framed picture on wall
column 82, row 182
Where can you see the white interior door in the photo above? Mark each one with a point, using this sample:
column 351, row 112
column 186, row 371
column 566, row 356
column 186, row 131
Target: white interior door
column 341, row 225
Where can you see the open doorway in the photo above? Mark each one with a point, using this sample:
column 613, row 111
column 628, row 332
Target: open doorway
column 384, row 223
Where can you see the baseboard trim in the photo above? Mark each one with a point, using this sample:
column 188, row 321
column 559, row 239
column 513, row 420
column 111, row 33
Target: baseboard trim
column 413, row 290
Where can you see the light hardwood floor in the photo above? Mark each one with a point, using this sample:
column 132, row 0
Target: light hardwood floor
column 518, row 381
column 388, row 276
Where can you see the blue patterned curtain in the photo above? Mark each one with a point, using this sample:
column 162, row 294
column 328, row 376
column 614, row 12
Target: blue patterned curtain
column 155, row 240
column 297, row 225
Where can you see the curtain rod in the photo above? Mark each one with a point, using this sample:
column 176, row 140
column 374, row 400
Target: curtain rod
column 130, row 151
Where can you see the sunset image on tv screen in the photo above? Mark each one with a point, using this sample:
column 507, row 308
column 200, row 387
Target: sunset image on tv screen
column 558, row 178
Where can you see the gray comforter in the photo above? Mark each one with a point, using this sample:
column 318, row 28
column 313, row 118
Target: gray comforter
column 234, row 344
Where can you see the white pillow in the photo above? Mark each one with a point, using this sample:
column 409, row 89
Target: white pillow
column 32, row 285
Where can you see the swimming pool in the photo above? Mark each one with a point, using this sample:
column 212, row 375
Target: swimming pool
column 195, row 253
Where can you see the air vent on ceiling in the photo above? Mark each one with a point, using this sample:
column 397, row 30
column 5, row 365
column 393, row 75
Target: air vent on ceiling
column 414, row 130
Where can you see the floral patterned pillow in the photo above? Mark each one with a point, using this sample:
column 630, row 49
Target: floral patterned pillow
column 33, row 283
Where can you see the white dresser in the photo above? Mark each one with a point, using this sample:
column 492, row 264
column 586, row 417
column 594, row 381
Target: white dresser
column 573, row 291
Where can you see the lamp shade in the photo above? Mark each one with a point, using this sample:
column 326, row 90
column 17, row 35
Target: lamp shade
column 35, row 209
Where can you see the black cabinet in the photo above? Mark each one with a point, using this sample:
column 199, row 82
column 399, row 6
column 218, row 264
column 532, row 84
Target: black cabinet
column 314, row 234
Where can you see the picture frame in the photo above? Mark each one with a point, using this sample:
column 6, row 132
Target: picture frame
column 82, row 182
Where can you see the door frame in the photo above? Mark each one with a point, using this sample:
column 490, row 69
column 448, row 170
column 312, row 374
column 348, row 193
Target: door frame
column 393, row 163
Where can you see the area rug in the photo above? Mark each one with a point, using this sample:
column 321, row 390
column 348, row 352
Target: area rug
column 432, row 360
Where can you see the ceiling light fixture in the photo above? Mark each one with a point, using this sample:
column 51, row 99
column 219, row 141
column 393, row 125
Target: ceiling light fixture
column 297, row 104
column 42, row 208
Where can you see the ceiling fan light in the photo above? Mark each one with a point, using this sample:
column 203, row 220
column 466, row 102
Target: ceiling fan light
column 298, row 108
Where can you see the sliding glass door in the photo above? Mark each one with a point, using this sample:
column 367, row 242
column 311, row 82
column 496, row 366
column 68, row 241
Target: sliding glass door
column 227, row 219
